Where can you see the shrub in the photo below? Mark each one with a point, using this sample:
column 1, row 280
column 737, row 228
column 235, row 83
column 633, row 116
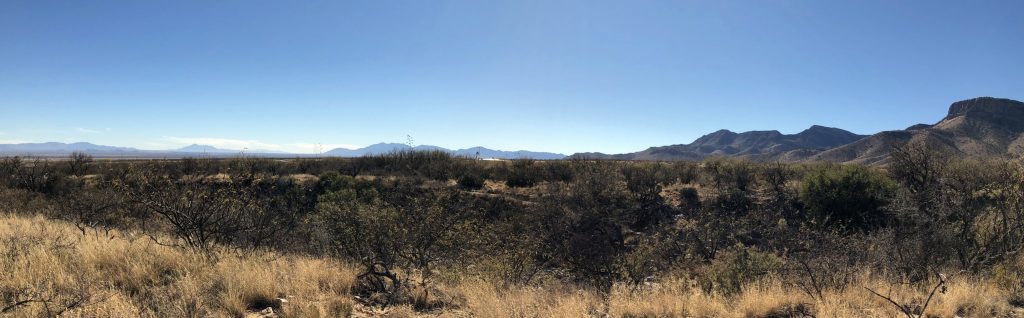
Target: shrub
column 559, row 171
column 846, row 197
column 1009, row 276
column 686, row 172
column 471, row 181
column 732, row 202
column 203, row 213
column 522, row 174
column 736, row 267
column 644, row 184
column 727, row 174
column 585, row 224
column 919, row 168
column 78, row 163
column 689, row 199
column 408, row 229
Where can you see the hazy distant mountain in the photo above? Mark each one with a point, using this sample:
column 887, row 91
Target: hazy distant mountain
column 50, row 148
column 374, row 149
column 62, row 149
column 203, row 148
column 978, row 127
column 754, row 145
column 474, row 152
column 207, row 149
column 482, row 152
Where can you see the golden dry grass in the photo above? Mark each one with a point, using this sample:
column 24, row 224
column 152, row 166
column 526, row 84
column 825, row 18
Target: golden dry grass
column 54, row 266
column 126, row 275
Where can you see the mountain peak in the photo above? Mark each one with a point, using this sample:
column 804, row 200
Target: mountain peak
column 985, row 105
column 819, row 128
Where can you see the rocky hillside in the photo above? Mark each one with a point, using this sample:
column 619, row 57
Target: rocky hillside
column 755, row 145
column 979, row 127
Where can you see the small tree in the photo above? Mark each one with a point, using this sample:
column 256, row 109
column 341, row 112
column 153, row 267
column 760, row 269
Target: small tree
column 202, row 214
column 584, row 225
column 644, row 184
column 91, row 207
column 78, row 163
column 409, row 231
column 920, row 168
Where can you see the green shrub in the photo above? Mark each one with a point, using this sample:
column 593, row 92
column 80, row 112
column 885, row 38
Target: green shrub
column 736, row 267
column 728, row 173
column 471, row 181
column 522, row 174
column 689, row 198
column 1009, row 276
column 733, row 202
column 847, row 197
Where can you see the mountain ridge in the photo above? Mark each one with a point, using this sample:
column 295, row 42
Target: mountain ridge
column 758, row 145
column 978, row 127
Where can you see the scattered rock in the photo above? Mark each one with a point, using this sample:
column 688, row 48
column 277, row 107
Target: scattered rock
column 280, row 302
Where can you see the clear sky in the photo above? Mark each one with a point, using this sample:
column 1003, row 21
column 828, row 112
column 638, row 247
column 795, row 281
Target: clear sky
column 563, row 76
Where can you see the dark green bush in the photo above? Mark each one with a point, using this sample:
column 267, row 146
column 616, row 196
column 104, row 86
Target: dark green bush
column 471, row 181
column 846, row 197
column 731, row 203
column 689, row 199
column 522, row 174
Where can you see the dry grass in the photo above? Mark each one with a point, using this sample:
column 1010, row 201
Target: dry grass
column 485, row 300
column 57, row 268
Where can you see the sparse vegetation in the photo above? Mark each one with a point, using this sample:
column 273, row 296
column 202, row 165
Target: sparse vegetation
column 408, row 234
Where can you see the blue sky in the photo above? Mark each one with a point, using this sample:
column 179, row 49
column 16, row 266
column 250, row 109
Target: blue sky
column 563, row 76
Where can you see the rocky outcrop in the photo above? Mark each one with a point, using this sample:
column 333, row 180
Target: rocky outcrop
column 987, row 106
column 982, row 127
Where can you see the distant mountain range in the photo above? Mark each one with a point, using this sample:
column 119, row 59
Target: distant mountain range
column 475, row 152
column 60, row 149
column 978, row 127
column 204, row 148
column 981, row 127
column 47, row 148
